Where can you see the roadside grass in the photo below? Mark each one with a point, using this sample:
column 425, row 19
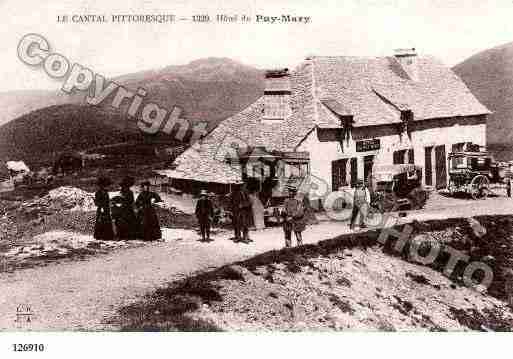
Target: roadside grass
column 170, row 308
column 48, row 257
column 473, row 319
column 22, row 230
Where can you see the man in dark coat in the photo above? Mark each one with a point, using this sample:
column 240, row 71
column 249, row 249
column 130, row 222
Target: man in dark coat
column 103, row 225
column 204, row 214
column 242, row 213
column 148, row 218
column 294, row 219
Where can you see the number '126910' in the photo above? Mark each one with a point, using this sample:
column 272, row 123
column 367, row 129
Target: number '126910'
column 28, row 347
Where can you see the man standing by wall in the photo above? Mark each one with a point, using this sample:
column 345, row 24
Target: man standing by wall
column 361, row 202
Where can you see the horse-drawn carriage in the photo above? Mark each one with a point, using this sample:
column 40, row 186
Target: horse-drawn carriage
column 474, row 172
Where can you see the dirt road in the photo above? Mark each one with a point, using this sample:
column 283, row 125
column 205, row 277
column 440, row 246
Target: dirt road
column 82, row 295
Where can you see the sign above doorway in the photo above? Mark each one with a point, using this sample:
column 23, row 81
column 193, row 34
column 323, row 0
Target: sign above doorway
column 368, row 145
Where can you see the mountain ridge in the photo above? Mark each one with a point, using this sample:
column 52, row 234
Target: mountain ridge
column 207, row 90
column 211, row 69
column 489, row 76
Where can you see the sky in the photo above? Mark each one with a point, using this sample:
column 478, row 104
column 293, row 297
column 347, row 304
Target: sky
column 450, row 30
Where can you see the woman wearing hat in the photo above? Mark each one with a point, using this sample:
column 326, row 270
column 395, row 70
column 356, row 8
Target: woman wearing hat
column 103, row 225
column 148, row 218
column 126, row 221
column 294, row 219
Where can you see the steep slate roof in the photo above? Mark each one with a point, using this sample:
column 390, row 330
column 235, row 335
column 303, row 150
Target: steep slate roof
column 373, row 91
column 336, row 107
column 205, row 162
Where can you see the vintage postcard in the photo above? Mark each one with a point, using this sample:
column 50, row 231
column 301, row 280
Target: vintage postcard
column 255, row 166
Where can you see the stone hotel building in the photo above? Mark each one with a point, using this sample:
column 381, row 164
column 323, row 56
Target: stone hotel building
column 335, row 117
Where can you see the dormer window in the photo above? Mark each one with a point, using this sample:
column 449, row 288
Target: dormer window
column 407, row 116
column 277, row 107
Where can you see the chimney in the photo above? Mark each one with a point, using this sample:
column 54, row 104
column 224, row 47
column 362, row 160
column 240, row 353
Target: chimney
column 407, row 58
column 277, row 94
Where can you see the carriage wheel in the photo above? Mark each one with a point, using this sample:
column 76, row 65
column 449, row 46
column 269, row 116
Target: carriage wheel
column 479, row 187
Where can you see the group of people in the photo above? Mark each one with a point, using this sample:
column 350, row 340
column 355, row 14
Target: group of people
column 241, row 210
column 124, row 217
column 293, row 215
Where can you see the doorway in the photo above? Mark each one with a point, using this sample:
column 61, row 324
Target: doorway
column 429, row 168
column 354, row 171
column 338, row 174
column 441, row 167
column 368, row 161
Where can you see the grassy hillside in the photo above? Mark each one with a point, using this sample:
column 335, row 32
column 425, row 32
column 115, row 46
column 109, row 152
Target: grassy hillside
column 38, row 136
column 207, row 90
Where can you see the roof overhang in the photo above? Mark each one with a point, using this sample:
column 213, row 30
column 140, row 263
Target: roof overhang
column 337, row 108
column 199, row 177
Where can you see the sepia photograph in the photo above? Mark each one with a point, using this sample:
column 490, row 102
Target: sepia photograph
column 255, row 166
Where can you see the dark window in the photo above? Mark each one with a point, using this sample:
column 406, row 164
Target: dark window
column 338, row 174
column 399, row 156
column 368, row 161
column 458, row 162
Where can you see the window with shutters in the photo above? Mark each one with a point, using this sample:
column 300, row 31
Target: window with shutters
column 398, row 157
column 338, row 174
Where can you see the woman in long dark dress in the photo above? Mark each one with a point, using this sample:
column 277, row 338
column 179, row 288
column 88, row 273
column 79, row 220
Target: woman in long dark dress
column 103, row 225
column 125, row 219
column 148, row 218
